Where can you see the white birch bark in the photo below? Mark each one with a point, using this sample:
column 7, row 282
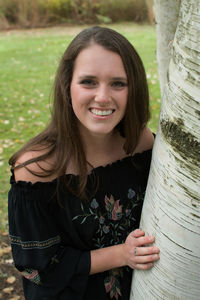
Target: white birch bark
column 166, row 12
column 171, row 210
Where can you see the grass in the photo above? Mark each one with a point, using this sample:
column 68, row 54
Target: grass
column 28, row 60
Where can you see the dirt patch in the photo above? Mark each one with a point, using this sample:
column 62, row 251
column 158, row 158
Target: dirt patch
column 10, row 279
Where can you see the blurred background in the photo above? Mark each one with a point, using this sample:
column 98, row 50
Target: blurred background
column 40, row 13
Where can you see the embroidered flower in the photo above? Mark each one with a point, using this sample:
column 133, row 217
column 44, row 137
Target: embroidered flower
column 117, row 209
column 112, row 286
column 101, row 220
column 109, row 284
column 32, row 275
column 94, row 204
column 113, row 208
column 131, row 194
column 127, row 212
column 106, row 229
column 109, row 203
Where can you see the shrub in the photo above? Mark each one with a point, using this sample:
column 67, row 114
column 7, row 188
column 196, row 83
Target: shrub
column 4, row 24
column 86, row 11
column 109, row 10
column 124, row 10
column 25, row 13
column 56, row 9
column 33, row 13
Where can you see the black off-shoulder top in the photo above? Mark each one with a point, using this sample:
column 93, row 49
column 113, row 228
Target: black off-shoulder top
column 51, row 242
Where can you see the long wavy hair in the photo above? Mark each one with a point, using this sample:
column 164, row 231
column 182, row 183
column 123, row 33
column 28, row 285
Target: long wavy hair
column 61, row 138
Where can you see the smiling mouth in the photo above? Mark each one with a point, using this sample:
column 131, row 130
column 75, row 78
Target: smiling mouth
column 98, row 112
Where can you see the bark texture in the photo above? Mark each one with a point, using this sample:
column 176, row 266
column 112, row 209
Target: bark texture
column 171, row 209
column 166, row 12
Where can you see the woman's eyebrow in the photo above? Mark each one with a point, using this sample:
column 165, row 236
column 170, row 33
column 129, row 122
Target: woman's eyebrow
column 94, row 77
column 87, row 76
column 119, row 78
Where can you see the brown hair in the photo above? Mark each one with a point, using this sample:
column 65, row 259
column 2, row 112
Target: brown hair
column 61, row 137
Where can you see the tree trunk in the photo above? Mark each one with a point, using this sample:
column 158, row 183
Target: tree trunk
column 166, row 12
column 171, row 210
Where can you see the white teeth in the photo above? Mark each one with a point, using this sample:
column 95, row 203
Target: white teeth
column 101, row 112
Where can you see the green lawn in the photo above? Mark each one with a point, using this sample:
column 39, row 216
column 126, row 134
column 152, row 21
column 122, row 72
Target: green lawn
column 28, row 61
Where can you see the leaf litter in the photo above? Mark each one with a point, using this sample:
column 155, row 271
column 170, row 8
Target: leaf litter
column 10, row 279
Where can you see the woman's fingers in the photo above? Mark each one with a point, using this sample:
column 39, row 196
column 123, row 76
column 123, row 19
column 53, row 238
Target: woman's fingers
column 146, row 259
column 140, row 251
column 137, row 233
column 144, row 266
column 144, row 240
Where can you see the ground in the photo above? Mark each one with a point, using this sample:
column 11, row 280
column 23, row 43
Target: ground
column 10, row 279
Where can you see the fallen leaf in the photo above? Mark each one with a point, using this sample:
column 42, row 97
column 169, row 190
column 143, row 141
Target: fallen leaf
column 4, row 233
column 5, row 250
column 15, row 298
column 9, row 261
column 21, row 119
column 11, row 279
column 8, row 290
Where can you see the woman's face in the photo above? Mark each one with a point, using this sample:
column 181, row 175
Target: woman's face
column 99, row 90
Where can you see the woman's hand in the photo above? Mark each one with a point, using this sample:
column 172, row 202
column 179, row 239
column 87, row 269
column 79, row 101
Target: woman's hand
column 137, row 255
column 133, row 253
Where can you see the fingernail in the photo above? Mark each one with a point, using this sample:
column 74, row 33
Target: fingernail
column 155, row 249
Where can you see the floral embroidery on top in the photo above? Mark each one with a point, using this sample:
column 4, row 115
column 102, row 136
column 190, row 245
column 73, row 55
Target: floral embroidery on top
column 112, row 283
column 32, row 275
column 113, row 208
column 115, row 222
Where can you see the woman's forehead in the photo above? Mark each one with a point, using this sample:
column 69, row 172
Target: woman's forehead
column 97, row 58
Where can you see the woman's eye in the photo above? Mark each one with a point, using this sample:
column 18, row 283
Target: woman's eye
column 88, row 82
column 119, row 84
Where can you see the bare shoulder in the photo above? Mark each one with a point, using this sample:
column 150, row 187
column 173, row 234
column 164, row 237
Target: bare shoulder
column 146, row 140
column 25, row 173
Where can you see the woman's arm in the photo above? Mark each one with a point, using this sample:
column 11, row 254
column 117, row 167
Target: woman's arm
column 131, row 253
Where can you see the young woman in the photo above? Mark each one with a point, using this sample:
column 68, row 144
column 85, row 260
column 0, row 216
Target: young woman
column 77, row 188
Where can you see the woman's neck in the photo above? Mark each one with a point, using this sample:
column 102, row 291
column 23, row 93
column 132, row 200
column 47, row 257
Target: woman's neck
column 103, row 149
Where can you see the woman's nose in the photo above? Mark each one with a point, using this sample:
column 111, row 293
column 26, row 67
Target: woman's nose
column 103, row 94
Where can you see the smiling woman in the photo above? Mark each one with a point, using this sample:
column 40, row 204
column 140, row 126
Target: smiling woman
column 78, row 187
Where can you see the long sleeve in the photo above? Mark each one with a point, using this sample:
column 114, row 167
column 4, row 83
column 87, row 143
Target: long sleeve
column 50, row 266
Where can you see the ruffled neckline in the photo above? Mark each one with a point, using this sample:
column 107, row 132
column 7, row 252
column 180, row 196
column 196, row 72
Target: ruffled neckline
column 98, row 169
